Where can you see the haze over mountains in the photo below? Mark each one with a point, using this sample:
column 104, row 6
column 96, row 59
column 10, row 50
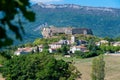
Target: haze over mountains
column 103, row 21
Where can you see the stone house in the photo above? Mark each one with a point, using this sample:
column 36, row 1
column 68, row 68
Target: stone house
column 78, row 48
column 23, row 51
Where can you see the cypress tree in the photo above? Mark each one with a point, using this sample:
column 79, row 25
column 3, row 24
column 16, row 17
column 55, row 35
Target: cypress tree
column 98, row 65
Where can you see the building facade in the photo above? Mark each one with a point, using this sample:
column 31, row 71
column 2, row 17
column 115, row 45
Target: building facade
column 51, row 31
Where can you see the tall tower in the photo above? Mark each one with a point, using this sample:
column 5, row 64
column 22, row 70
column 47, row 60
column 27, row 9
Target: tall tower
column 72, row 39
column 85, row 32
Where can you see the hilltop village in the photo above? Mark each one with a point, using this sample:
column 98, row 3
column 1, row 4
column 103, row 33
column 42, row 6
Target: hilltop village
column 74, row 44
column 73, row 41
column 88, row 48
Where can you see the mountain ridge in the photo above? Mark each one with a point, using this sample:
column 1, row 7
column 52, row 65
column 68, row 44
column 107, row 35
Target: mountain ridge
column 68, row 5
column 74, row 17
column 103, row 21
column 77, row 7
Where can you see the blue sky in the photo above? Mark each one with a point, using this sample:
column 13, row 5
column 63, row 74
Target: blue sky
column 96, row 3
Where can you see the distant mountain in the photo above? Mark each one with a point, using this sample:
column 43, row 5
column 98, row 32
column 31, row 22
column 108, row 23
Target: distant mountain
column 73, row 6
column 103, row 21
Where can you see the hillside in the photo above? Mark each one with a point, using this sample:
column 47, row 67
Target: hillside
column 85, row 65
column 103, row 21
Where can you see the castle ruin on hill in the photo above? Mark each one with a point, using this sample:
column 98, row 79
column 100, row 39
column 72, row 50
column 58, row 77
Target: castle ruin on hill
column 51, row 31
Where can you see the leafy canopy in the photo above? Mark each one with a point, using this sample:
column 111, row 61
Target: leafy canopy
column 10, row 10
column 39, row 67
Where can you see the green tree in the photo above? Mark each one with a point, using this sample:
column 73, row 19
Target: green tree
column 98, row 65
column 65, row 49
column 12, row 12
column 91, row 45
column 39, row 67
column 28, row 44
column 79, row 54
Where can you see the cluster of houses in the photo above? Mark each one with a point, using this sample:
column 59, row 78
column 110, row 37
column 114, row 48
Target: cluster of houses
column 105, row 42
column 116, row 43
column 27, row 50
column 76, row 45
column 79, row 46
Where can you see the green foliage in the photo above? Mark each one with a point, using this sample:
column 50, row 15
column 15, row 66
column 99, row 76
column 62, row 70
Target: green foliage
column 11, row 9
column 79, row 54
column 87, row 37
column 109, row 39
column 46, row 46
column 39, row 41
column 98, row 71
column 110, row 49
column 64, row 49
column 6, row 54
column 38, row 67
column 89, row 54
column 28, row 44
column 117, row 38
column 93, row 49
column 2, row 59
column 91, row 44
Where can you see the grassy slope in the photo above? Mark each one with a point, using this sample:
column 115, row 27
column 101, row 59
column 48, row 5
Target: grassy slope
column 112, row 67
column 84, row 66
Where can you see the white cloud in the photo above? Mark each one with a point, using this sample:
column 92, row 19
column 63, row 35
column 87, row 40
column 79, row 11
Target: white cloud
column 44, row 1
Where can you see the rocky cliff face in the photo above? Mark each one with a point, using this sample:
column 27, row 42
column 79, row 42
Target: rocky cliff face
column 74, row 6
